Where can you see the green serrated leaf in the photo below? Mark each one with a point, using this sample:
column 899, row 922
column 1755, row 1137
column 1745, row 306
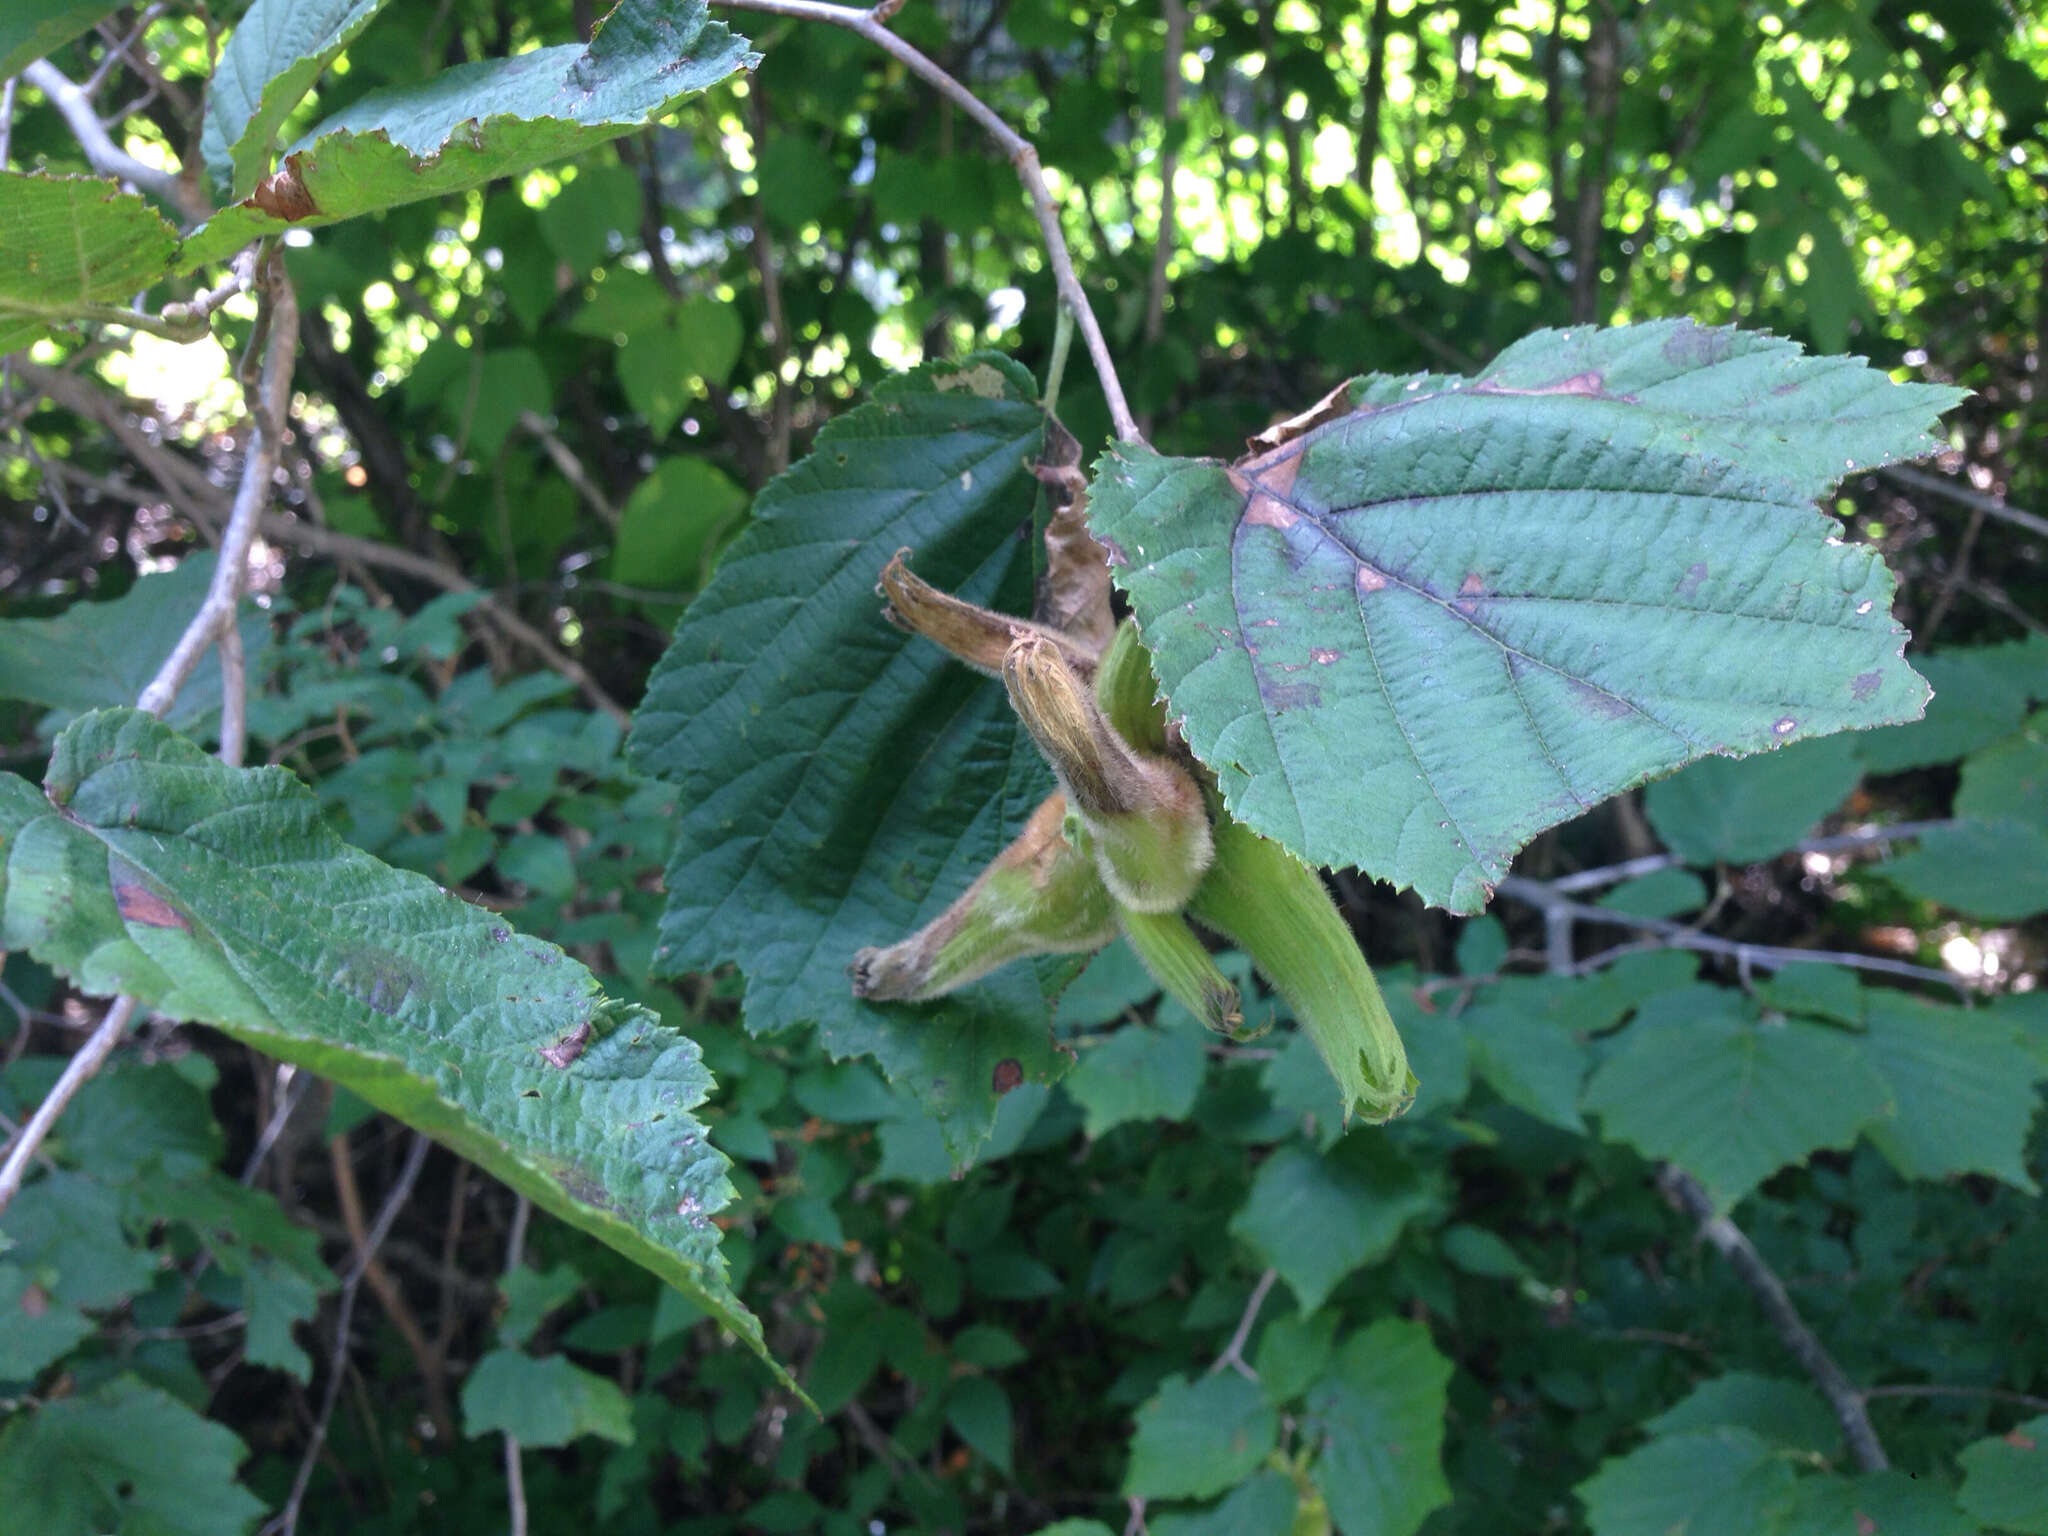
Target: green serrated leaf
column 1138, row 1073
column 1316, row 1218
column 1293, row 1350
column 1980, row 694
column 1996, row 870
column 546, row 1401
column 2009, row 778
column 69, row 243
column 1448, row 614
column 668, row 525
column 101, row 655
column 842, row 781
column 1530, row 1059
column 477, row 122
column 1964, row 1085
column 37, row 1330
column 1719, row 1482
column 2005, row 1479
column 218, row 895
column 1197, row 1438
column 1378, row 1419
column 1733, row 1100
column 1817, row 991
column 1786, row 1413
column 35, row 29
column 1666, row 893
column 1264, row 1506
column 276, row 52
column 1740, row 812
column 66, row 1230
column 1890, row 1503
column 122, row 1457
column 979, row 1411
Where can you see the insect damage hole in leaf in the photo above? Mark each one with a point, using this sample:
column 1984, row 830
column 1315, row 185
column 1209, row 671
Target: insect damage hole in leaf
column 1411, row 633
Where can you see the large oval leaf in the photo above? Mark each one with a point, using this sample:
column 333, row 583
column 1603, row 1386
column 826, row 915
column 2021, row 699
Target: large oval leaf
column 218, row 895
column 1439, row 615
column 842, row 781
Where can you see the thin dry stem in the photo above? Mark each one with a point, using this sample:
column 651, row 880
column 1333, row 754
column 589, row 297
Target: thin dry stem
column 270, row 409
column 101, row 152
column 90, row 1057
column 1023, row 157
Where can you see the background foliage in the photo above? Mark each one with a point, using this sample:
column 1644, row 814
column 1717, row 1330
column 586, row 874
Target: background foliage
column 1173, row 1293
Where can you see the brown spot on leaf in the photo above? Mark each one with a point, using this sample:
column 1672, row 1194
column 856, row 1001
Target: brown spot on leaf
column 284, row 195
column 1864, row 684
column 1785, row 726
column 1333, row 405
column 580, row 1186
column 1694, row 346
column 1320, row 656
column 1009, row 1074
column 565, row 1050
column 1591, row 382
column 1597, row 701
column 2020, row 1442
column 979, row 379
column 35, row 1301
column 1369, row 580
column 1281, row 697
column 140, row 905
column 1689, row 583
column 1470, row 590
column 1865, row 1526
column 1269, row 512
column 380, row 981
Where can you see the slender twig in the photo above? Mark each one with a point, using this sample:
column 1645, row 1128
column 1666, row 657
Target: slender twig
column 781, row 408
column 1233, row 1352
column 1996, row 597
column 187, row 489
column 77, row 1071
column 270, row 408
column 118, row 46
column 1169, row 168
column 1834, row 842
column 184, row 484
column 101, row 152
column 198, row 310
column 1688, row 1195
column 1674, row 935
column 1023, row 157
column 445, row 1311
column 571, row 467
column 1968, row 496
column 286, row 1521
column 1958, row 573
column 268, row 412
column 326, row 541
column 515, row 1473
column 7, row 117
column 389, row 1293
column 291, row 1089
